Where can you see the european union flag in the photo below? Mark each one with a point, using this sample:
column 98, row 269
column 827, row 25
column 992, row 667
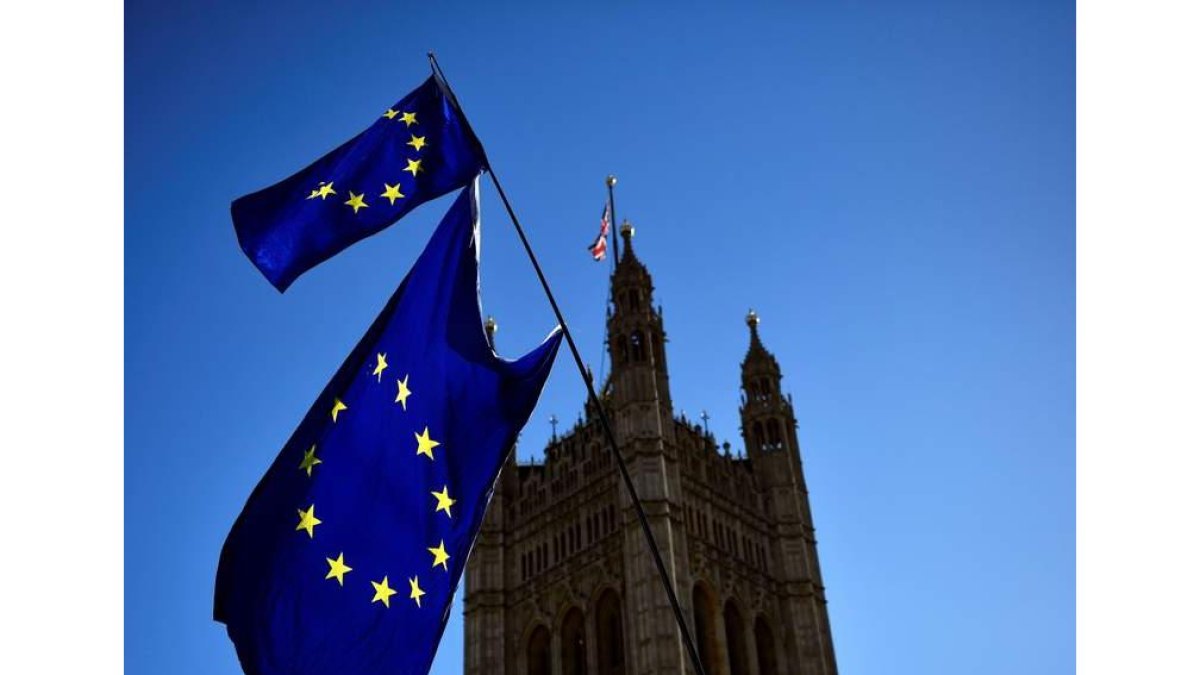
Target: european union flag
column 346, row 556
column 419, row 149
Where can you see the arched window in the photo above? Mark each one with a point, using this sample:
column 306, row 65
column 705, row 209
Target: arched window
column 635, row 300
column 704, row 618
column 610, row 634
column 765, row 642
column 774, row 438
column 735, row 638
column 759, row 439
column 637, row 346
column 574, row 649
column 538, row 654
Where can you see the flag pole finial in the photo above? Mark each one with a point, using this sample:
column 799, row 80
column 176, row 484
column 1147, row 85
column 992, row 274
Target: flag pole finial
column 611, row 180
column 490, row 327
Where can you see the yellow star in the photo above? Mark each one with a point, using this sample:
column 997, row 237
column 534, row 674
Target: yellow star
column 408, row 118
column 425, row 444
column 392, row 192
column 440, row 556
column 382, row 592
column 380, row 364
column 403, row 392
column 325, row 190
column 337, row 568
column 307, row 520
column 444, row 501
column 390, row 114
column 310, row 460
column 338, row 406
column 355, row 202
column 417, row 142
column 414, row 165
column 415, row 591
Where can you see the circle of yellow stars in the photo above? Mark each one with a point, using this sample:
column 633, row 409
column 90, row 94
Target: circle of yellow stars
column 392, row 193
column 308, row 521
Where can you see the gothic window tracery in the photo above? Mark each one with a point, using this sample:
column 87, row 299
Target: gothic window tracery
column 610, row 634
column 574, row 648
column 634, row 300
column 774, row 437
column 735, row 640
column 766, row 387
column 538, row 653
column 764, row 641
column 637, row 346
column 705, row 624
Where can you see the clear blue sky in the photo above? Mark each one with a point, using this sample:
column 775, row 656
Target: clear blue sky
column 890, row 186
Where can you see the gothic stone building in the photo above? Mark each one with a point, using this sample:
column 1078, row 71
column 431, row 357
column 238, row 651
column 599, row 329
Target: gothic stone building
column 561, row 581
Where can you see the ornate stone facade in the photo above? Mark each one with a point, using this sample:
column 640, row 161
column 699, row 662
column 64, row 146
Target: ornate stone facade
column 561, row 581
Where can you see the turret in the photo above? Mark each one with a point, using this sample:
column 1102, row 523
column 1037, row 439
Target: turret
column 769, row 429
column 767, row 418
column 768, row 421
column 636, row 337
column 640, row 401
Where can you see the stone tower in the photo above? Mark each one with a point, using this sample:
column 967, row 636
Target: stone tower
column 769, row 432
column 561, row 581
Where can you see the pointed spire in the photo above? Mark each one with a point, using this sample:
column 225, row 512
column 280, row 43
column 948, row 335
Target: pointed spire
column 758, row 356
column 756, row 344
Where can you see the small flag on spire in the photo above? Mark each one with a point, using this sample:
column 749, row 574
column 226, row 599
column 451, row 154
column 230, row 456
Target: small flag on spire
column 599, row 247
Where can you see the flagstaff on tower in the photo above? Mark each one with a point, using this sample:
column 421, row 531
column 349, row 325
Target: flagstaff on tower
column 610, row 181
column 565, row 531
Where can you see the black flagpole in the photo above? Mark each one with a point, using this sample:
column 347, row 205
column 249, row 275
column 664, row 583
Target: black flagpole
column 595, row 400
column 612, row 218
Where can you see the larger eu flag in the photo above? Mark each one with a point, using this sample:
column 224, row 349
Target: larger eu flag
column 419, row 149
column 347, row 554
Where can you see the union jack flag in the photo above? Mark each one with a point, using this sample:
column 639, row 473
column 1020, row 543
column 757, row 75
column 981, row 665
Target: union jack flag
column 599, row 247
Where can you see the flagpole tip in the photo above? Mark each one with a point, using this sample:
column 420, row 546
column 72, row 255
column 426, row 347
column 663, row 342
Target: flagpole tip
column 611, row 180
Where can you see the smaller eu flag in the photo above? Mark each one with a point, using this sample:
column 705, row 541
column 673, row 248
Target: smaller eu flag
column 419, row 149
column 346, row 556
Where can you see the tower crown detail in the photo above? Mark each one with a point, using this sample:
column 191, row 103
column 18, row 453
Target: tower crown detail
column 767, row 418
column 627, row 232
column 636, row 337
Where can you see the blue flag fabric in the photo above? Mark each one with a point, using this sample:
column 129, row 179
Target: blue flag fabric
column 419, row 149
column 346, row 556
